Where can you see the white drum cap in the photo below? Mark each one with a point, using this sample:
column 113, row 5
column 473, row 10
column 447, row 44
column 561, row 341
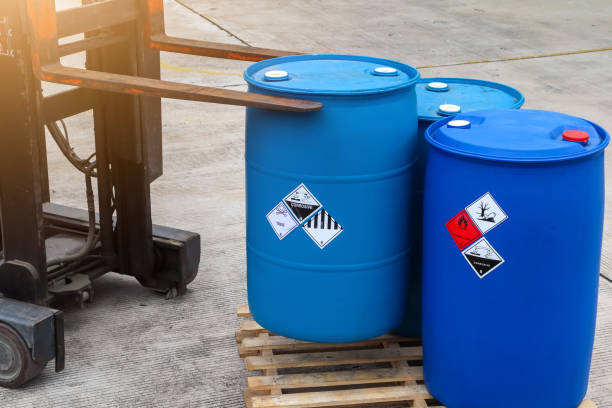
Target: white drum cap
column 449, row 109
column 459, row 124
column 276, row 75
column 437, row 86
column 386, row 71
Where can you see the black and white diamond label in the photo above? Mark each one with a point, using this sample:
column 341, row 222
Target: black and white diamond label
column 482, row 257
column 281, row 220
column 486, row 213
column 302, row 203
column 322, row 228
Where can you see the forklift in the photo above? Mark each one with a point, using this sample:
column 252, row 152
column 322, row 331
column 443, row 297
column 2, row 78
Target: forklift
column 49, row 253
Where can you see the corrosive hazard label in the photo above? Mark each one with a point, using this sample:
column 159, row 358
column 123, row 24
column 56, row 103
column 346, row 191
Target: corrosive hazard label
column 486, row 213
column 463, row 230
column 302, row 203
column 281, row 221
column 322, row 228
column 482, row 257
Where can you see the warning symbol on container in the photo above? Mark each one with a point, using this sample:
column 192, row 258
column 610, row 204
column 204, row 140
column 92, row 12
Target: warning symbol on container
column 322, row 228
column 486, row 213
column 302, row 203
column 482, row 257
column 281, row 220
column 463, row 230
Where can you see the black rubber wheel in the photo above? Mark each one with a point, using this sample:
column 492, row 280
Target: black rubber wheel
column 16, row 364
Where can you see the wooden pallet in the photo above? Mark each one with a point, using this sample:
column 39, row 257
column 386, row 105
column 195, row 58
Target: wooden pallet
column 384, row 371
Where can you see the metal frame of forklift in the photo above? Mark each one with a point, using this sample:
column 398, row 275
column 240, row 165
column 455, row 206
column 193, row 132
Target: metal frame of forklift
column 121, row 84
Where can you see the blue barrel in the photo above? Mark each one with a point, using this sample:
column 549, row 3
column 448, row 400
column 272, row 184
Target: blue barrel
column 438, row 98
column 329, row 196
column 514, row 206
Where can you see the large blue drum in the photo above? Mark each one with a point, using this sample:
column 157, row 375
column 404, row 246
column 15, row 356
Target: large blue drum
column 329, row 199
column 439, row 98
column 513, row 222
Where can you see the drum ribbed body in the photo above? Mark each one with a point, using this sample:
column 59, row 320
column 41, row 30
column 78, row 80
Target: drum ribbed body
column 512, row 241
column 338, row 275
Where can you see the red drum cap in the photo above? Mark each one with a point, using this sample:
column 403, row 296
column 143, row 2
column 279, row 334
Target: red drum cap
column 576, row 136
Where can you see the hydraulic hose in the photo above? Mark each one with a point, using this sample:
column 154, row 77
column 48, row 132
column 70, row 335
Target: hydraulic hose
column 91, row 234
column 88, row 168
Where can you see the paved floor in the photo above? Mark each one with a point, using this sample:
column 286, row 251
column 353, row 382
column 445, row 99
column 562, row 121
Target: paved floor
column 132, row 348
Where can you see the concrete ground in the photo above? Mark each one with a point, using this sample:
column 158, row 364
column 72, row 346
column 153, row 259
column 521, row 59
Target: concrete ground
column 133, row 348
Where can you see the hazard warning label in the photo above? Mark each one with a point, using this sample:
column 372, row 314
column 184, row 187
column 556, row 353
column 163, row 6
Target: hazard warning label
column 281, row 221
column 322, row 228
column 463, row 230
column 482, row 257
column 302, row 203
column 486, row 213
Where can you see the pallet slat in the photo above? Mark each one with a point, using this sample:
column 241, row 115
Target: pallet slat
column 332, row 379
column 243, row 311
column 357, row 397
column 253, row 344
column 334, row 358
column 251, row 326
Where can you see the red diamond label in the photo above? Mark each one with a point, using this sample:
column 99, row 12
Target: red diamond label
column 463, row 230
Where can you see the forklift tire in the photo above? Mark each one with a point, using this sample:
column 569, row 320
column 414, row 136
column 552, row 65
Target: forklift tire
column 16, row 364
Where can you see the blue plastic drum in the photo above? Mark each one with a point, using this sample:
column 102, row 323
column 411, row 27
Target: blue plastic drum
column 437, row 98
column 329, row 198
column 514, row 206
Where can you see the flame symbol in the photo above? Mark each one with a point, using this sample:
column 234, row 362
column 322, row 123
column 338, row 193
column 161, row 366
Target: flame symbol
column 462, row 222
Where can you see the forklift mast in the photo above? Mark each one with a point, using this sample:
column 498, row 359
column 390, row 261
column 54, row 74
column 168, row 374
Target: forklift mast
column 121, row 85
